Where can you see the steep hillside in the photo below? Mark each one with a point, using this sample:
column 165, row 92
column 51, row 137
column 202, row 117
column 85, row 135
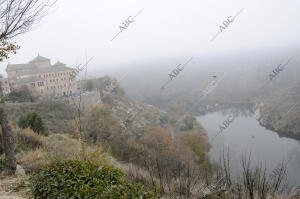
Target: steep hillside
column 55, row 114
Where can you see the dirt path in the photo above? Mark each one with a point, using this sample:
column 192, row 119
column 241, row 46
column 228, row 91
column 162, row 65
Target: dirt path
column 4, row 185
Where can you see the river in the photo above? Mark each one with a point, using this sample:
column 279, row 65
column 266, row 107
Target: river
column 245, row 135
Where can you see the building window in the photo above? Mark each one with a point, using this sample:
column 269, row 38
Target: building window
column 33, row 84
column 40, row 83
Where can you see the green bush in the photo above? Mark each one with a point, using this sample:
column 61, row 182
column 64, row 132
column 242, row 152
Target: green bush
column 66, row 179
column 33, row 121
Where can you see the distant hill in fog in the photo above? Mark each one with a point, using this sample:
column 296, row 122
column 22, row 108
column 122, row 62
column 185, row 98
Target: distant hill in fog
column 246, row 72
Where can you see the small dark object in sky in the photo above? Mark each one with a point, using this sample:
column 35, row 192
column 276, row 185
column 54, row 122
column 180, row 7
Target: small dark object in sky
column 214, row 76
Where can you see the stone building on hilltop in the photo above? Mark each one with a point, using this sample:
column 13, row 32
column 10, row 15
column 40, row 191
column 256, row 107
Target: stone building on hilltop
column 42, row 77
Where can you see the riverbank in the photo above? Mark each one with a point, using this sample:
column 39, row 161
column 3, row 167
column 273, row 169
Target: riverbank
column 283, row 126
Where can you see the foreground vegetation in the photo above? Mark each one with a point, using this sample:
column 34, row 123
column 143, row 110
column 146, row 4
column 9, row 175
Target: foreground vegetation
column 173, row 160
column 81, row 179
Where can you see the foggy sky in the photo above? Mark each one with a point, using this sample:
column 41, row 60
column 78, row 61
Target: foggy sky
column 164, row 29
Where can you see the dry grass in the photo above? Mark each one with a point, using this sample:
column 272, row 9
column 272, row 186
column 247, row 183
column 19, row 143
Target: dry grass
column 59, row 146
column 33, row 160
column 29, row 138
column 134, row 173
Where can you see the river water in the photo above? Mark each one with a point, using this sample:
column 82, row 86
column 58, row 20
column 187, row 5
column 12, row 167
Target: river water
column 245, row 135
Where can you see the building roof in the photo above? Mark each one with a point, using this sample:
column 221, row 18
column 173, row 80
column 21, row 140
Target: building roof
column 39, row 58
column 31, row 68
column 58, row 63
column 13, row 67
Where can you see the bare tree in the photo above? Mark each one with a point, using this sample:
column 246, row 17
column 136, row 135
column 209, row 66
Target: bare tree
column 78, row 112
column 16, row 17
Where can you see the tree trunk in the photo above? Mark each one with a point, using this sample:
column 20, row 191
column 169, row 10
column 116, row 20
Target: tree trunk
column 10, row 164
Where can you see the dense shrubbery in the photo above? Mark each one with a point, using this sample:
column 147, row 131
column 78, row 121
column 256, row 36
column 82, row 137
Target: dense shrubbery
column 1, row 162
column 173, row 164
column 22, row 94
column 99, row 125
column 104, row 84
column 189, row 122
column 78, row 179
column 33, row 121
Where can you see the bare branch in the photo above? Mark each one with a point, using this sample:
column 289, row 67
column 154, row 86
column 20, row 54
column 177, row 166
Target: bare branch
column 18, row 16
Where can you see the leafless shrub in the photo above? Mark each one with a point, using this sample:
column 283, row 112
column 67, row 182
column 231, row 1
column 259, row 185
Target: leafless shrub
column 278, row 179
column 254, row 182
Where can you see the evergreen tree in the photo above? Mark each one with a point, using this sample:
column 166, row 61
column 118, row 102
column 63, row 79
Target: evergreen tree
column 33, row 121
